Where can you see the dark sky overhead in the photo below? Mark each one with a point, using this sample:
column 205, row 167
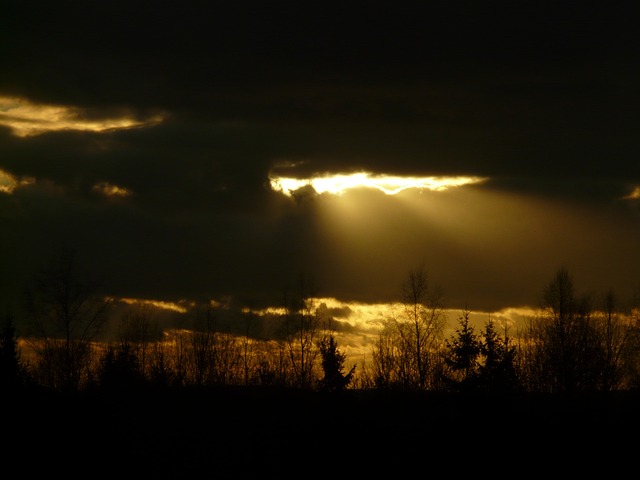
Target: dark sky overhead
column 146, row 135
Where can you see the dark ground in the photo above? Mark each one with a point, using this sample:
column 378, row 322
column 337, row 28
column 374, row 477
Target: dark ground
column 245, row 433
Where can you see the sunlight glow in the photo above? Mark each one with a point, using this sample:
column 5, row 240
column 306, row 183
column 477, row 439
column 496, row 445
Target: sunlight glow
column 8, row 183
column 363, row 315
column 110, row 190
column 389, row 184
column 26, row 118
column 367, row 320
column 155, row 303
column 634, row 195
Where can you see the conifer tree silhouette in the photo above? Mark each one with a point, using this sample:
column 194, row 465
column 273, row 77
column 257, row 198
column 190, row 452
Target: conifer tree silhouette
column 462, row 355
column 12, row 370
column 498, row 372
column 333, row 366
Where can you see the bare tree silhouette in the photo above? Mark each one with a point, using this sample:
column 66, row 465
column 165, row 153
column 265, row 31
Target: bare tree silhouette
column 565, row 349
column 616, row 338
column 139, row 331
column 301, row 327
column 407, row 352
column 66, row 313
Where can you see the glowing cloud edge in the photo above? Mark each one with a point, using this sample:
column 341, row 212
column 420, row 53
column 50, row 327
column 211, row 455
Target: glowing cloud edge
column 26, row 118
column 389, row 184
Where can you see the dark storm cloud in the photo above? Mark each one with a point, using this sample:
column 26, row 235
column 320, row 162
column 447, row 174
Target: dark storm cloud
column 539, row 97
column 450, row 87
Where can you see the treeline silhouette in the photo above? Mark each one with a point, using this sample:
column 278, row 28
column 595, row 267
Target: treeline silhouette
column 571, row 345
column 184, row 398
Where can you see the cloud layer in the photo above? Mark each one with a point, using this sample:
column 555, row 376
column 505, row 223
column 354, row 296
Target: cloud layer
column 202, row 103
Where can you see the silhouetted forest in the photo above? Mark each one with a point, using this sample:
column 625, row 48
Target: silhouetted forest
column 183, row 401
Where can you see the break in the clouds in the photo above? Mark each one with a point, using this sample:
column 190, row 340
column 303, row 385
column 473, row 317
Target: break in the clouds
column 389, row 184
column 193, row 151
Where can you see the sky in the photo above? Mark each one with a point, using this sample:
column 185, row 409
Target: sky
column 203, row 150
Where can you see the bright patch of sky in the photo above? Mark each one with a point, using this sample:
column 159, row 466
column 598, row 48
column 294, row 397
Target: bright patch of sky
column 155, row 303
column 110, row 190
column 26, row 118
column 368, row 319
column 8, row 183
column 371, row 317
column 634, row 195
column 389, row 184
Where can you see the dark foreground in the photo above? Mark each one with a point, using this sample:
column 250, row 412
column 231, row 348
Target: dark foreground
column 242, row 433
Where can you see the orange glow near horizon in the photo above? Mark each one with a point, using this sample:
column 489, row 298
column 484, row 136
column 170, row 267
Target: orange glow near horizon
column 372, row 316
column 26, row 118
column 362, row 322
column 389, row 184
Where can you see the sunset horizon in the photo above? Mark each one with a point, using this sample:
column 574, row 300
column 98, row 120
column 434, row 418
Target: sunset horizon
column 254, row 238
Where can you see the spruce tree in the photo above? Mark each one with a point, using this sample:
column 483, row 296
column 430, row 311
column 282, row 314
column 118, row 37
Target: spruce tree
column 12, row 370
column 462, row 356
column 333, row 366
column 498, row 372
